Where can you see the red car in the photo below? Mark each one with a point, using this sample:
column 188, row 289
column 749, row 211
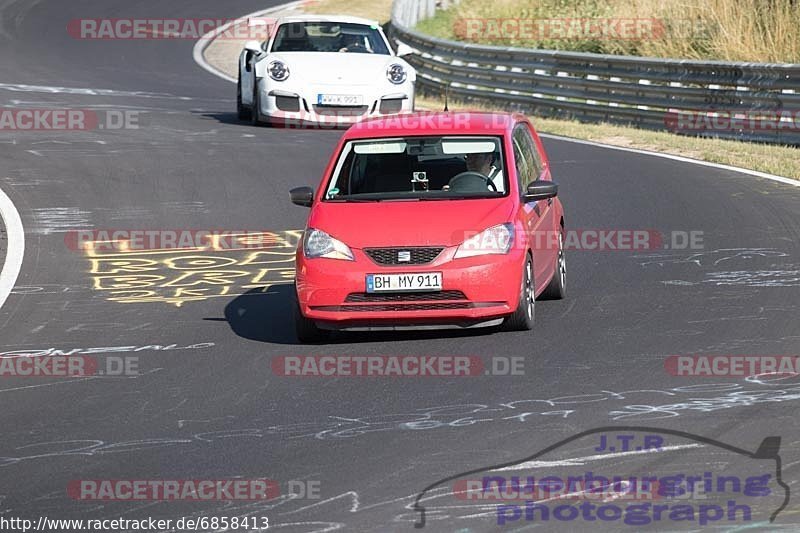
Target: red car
column 430, row 220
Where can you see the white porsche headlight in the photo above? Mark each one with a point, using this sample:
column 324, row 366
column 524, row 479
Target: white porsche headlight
column 495, row 240
column 317, row 243
column 396, row 73
column 278, row 70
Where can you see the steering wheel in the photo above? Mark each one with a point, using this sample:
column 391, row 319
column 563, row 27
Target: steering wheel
column 471, row 181
column 355, row 46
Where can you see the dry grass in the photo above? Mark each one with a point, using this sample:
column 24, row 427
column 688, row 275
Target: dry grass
column 379, row 10
column 732, row 30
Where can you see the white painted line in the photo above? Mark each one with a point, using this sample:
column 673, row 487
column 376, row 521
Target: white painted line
column 579, row 461
column 206, row 40
column 773, row 177
column 16, row 246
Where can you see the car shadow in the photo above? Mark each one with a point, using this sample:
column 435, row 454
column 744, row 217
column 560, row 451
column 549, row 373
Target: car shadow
column 267, row 316
column 231, row 118
column 225, row 118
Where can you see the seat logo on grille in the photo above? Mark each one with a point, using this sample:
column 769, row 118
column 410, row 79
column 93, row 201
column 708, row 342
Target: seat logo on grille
column 403, row 256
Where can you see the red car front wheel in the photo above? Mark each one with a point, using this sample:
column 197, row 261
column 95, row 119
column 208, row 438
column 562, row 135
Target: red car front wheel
column 522, row 318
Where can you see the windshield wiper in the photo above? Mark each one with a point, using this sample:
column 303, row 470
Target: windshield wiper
column 362, row 200
column 353, row 200
column 459, row 197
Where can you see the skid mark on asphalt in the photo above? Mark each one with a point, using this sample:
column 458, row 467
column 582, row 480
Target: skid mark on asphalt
column 86, row 91
column 630, row 406
column 48, row 220
column 714, row 257
column 580, row 461
column 771, row 275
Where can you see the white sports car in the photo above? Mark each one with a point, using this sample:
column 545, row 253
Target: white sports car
column 323, row 69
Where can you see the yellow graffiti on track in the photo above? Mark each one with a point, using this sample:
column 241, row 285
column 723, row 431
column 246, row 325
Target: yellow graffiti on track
column 256, row 261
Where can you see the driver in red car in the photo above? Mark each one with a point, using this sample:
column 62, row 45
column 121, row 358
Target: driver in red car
column 480, row 162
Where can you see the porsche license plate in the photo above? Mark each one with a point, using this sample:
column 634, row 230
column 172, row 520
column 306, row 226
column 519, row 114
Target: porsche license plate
column 339, row 99
column 422, row 281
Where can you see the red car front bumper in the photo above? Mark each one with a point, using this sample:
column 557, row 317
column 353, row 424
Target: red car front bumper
column 476, row 291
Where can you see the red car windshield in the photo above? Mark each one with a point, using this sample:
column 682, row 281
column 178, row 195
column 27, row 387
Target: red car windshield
column 419, row 168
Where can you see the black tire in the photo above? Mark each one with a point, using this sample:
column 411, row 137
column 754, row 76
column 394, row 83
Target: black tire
column 522, row 319
column 255, row 115
column 557, row 288
column 241, row 111
column 306, row 330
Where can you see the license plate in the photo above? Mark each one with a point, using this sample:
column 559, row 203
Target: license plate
column 339, row 99
column 424, row 281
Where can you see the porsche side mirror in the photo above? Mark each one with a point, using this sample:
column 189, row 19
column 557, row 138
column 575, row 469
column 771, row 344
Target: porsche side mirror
column 253, row 46
column 302, row 196
column 403, row 50
column 540, row 190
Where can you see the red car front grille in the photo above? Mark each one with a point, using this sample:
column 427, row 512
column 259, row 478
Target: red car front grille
column 403, row 256
column 366, row 297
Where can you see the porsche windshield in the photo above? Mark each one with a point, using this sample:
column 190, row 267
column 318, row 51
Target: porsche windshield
column 419, row 168
column 329, row 37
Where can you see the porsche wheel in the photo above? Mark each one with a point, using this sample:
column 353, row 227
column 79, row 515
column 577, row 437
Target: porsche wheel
column 255, row 115
column 241, row 111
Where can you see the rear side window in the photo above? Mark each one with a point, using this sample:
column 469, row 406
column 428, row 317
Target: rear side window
column 523, row 170
column 523, row 138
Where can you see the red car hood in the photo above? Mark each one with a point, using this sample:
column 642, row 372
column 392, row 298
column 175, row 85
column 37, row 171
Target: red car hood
column 425, row 223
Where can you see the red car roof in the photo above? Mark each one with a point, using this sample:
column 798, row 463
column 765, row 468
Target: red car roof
column 435, row 123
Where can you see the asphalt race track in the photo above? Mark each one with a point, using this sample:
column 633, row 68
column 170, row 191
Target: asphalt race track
column 206, row 403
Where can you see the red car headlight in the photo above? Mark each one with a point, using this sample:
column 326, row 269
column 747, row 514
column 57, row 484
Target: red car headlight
column 495, row 240
column 317, row 243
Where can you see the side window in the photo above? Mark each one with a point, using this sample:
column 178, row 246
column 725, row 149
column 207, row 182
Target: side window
column 524, row 157
column 523, row 171
column 522, row 135
column 535, row 155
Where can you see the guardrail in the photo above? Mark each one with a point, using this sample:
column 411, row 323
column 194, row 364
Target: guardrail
column 745, row 101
